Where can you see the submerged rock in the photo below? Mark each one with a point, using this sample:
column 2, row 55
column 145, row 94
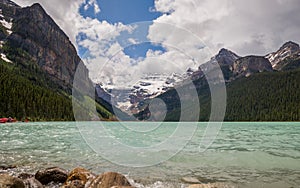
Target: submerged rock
column 190, row 180
column 7, row 167
column 211, row 185
column 7, row 181
column 110, row 179
column 79, row 178
column 55, row 174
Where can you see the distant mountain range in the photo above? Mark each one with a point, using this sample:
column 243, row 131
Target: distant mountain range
column 235, row 69
column 259, row 88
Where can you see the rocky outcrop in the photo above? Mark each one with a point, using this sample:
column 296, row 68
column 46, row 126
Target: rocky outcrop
column 7, row 181
column 249, row 65
column 55, row 174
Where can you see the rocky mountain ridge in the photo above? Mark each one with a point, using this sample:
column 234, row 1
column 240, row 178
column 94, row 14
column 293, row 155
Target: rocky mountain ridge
column 290, row 50
column 33, row 35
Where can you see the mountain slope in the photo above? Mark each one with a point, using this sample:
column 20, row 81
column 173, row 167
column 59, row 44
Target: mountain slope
column 265, row 97
column 26, row 97
column 268, row 96
column 38, row 57
column 46, row 44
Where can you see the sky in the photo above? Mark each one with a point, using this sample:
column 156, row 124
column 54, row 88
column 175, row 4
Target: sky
column 121, row 40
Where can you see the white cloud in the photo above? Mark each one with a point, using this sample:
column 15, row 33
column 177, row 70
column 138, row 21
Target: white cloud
column 92, row 3
column 257, row 26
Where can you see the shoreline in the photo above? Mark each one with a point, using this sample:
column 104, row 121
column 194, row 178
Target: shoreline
column 79, row 177
column 56, row 177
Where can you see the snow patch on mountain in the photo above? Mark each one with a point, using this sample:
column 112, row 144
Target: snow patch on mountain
column 148, row 86
column 6, row 24
column 155, row 84
column 287, row 50
column 3, row 56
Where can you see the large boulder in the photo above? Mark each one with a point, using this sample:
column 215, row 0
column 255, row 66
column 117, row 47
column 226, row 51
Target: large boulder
column 110, row 179
column 55, row 174
column 79, row 178
column 7, row 181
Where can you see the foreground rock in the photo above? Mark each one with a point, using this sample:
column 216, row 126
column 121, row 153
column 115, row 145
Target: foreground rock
column 79, row 178
column 55, row 175
column 32, row 183
column 109, row 180
column 7, row 181
column 29, row 181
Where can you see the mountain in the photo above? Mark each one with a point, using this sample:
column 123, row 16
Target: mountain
column 35, row 32
column 39, row 64
column 286, row 57
column 257, row 89
column 226, row 57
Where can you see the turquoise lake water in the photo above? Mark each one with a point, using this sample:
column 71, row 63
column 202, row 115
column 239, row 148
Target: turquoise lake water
column 244, row 154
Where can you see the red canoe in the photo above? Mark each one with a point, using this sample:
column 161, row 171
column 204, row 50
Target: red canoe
column 3, row 120
column 7, row 120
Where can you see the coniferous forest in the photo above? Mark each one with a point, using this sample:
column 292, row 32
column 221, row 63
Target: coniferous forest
column 265, row 97
column 30, row 98
column 273, row 96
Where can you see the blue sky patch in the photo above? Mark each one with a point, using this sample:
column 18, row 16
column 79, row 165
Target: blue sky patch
column 124, row 11
column 137, row 51
column 135, row 12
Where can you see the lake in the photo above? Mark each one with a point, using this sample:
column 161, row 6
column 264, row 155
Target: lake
column 243, row 154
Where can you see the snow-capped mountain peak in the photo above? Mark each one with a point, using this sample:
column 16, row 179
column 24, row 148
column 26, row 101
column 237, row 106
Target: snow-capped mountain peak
column 147, row 87
column 287, row 50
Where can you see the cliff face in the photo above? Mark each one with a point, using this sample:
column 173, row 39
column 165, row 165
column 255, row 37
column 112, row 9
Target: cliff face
column 35, row 32
column 249, row 65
